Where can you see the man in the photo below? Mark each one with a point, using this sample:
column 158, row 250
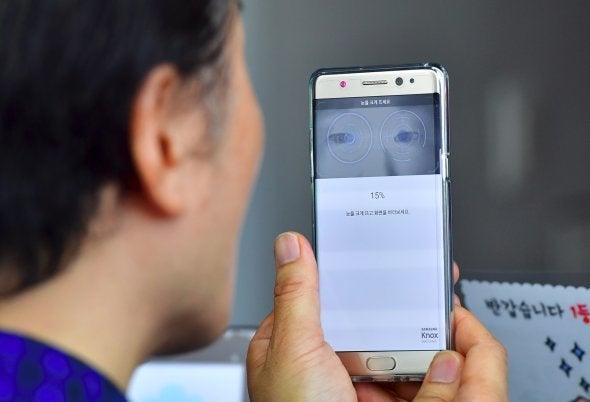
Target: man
column 130, row 137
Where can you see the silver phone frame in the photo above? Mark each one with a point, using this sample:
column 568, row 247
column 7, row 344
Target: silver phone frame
column 414, row 364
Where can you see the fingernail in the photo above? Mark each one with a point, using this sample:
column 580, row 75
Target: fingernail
column 457, row 301
column 444, row 368
column 286, row 249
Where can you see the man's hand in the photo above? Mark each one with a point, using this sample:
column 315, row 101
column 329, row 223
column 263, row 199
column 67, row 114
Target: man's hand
column 289, row 360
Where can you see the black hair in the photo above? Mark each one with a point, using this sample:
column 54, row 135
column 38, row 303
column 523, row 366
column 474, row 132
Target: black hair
column 69, row 71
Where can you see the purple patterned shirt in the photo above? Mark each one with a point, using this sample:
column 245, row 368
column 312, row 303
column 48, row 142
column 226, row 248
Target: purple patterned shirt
column 31, row 371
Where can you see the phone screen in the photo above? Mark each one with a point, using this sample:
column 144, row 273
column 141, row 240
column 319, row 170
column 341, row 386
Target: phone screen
column 379, row 222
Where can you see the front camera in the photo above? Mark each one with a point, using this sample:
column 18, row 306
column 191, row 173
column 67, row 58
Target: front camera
column 399, row 81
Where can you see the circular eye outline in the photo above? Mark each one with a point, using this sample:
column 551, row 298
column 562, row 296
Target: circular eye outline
column 389, row 117
column 370, row 137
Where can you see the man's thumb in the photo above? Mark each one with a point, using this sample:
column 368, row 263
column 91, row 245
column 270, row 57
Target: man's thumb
column 296, row 298
column 443, row 378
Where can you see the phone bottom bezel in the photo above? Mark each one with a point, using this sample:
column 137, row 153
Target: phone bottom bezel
column 409, row 365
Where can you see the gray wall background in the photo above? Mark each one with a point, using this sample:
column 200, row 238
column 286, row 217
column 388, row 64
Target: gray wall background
column 520, row 123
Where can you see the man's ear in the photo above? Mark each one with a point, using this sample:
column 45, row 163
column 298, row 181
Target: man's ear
column 155, row 148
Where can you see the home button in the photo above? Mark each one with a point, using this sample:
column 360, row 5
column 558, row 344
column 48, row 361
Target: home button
column 380, row 363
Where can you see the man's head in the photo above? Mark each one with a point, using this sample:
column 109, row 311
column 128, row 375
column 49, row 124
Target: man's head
column 129, row 135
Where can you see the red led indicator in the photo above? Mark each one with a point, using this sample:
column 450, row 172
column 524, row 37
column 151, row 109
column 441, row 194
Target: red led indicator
column 342, row 84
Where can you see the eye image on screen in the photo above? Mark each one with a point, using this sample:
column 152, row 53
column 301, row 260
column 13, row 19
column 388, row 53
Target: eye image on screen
column 403, row 135
column 392, row 140
column 349, row 138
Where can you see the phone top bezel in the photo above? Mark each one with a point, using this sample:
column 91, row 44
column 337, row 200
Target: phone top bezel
column 438, row 69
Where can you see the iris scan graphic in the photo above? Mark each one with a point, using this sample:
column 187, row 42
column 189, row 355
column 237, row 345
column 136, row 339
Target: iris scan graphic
column 375, row 137
column 349, row 138
column 403, row 135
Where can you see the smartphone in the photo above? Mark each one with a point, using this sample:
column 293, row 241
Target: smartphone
column 382, row 222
